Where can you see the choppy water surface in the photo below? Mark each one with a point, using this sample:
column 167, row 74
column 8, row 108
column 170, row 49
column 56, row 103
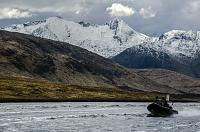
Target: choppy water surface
column 95, row 117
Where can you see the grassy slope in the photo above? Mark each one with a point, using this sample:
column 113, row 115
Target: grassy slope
column 25, row 55
column 25, row 89
column 175, row 80
column 89, row 77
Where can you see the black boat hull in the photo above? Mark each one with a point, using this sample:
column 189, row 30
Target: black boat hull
column 160, row 111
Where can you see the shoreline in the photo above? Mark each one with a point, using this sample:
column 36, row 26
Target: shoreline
column 84, row 100
column 16, row 90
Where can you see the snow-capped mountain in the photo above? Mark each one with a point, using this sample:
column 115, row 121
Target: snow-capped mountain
column 176, row 43
column 145, row 57
column 175, row 50
column 111, row 38
column 180, row 43
column 106, row 40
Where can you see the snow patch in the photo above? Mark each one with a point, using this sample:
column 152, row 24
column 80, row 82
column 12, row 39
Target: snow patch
column 110, row 39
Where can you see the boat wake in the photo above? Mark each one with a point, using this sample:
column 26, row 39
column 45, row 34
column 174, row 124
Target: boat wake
column 189, row 112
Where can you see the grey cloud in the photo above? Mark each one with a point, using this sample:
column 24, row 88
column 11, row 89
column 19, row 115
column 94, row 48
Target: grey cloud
column 9, row 13
column 170, row 14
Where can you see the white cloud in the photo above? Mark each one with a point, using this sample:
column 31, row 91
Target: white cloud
column 6, row 13
column 118, row 9
column 191, row 8
column 147, row 13
column 195, row 5
column 77, row 12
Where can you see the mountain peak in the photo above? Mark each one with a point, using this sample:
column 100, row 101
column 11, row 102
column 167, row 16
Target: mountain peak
column 182, row 34
column 106, row 40
column 31, row 23
column 114, row 24
column 84, row 24
column 59, row 17
column 55, row 18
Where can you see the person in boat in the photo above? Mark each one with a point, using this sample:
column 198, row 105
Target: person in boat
column 157, row 100
column 165, row 103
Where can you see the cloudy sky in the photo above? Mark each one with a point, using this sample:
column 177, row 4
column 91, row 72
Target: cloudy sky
column 152, row 17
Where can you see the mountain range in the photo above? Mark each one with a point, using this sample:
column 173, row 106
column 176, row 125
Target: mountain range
column 176, row 50
column 35, row 68
column 60, row 59
column 106, row 40
column 42, row 59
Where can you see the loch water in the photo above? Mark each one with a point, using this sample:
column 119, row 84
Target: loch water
column 95, row 117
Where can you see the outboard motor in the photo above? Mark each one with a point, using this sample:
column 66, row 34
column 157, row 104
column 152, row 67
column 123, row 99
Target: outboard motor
column 167, row 97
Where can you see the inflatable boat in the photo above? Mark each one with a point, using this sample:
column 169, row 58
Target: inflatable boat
column 158, row 110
